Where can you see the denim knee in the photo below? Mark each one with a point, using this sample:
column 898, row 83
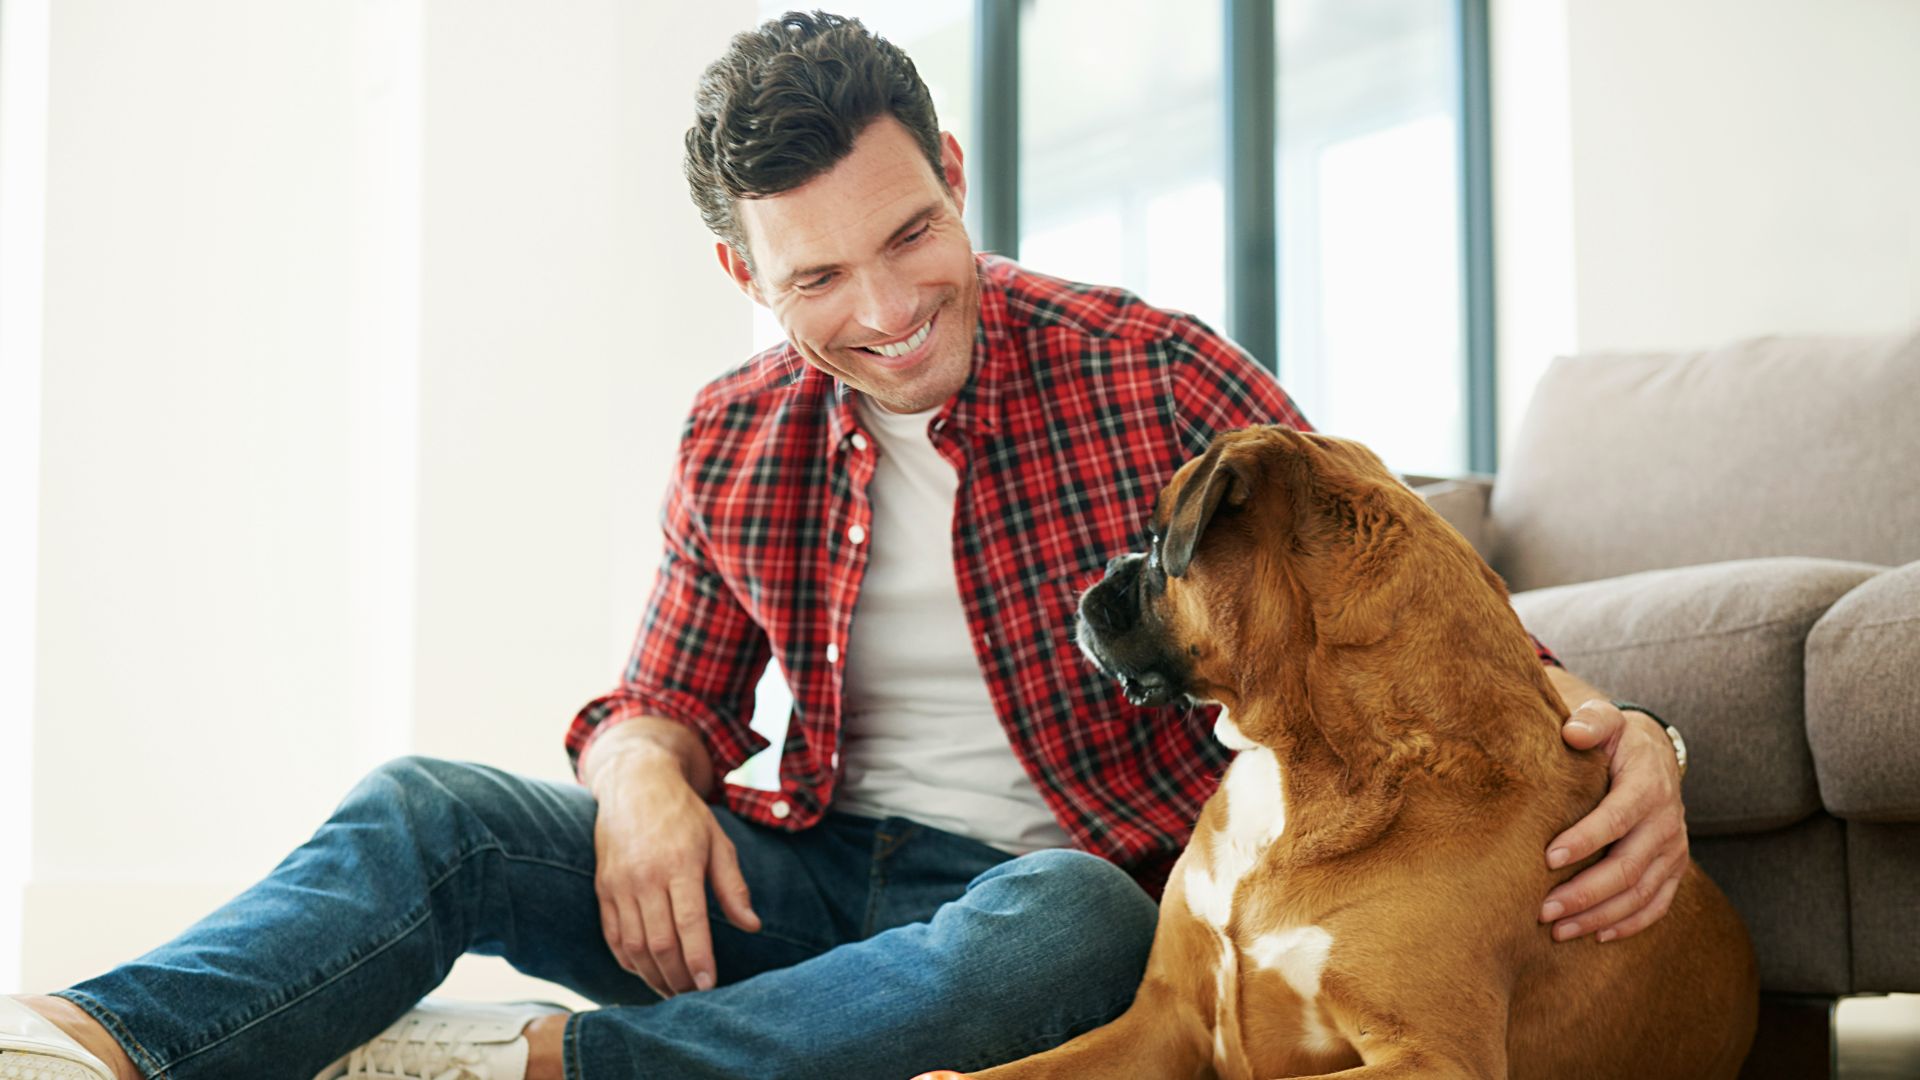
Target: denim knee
column 410, row 793
column 1094, row 917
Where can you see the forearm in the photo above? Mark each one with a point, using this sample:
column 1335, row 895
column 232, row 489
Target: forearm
column 648, row 743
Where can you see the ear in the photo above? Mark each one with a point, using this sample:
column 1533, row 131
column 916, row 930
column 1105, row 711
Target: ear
column 1221, row 477
column 735, row 265
column 952, row 170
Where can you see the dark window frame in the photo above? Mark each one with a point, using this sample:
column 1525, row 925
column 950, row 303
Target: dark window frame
column 1252, row 88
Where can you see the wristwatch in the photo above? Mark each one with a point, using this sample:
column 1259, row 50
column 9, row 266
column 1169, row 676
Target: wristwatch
column 1673, row 733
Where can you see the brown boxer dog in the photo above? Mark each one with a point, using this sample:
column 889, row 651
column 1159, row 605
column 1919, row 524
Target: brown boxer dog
column 1358, row 898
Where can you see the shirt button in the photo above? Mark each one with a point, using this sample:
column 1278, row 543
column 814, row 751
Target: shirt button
column 859, row 441
column 856, row 534
column 986, row 640
column 836, row 759
column 833, row 652
column 780, row 809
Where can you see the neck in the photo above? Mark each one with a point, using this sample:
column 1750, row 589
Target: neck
column 1363, row 746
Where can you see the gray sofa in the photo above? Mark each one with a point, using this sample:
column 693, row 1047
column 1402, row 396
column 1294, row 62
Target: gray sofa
column 1730, row 537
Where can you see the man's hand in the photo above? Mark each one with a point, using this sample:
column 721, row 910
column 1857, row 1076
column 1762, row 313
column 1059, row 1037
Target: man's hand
column 1641, row 816
column 656, row 845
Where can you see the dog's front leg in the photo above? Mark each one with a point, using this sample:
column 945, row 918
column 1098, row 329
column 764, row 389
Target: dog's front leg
column 1161, row 1036
column 1423, row 1065
column 1465, row 1042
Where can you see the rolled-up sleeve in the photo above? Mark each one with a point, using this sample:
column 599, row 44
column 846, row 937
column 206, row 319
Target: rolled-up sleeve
column 698, row 654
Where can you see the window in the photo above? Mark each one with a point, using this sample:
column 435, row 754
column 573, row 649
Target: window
column 1122, row 149
column 1368, row 167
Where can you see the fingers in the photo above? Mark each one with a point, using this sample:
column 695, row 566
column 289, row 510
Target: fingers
column 1646, row 916
column 623, row 935
column 663, row 940
column 1624, row 885
column 696, row 940
column 1593, row 724
column 1616, row 814
column 729, row 887
column 1642, row 783
column 1628, row 902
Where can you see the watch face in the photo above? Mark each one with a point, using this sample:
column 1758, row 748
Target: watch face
column 1679, row 749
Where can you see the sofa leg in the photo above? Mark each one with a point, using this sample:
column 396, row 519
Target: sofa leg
column 1795, row 1040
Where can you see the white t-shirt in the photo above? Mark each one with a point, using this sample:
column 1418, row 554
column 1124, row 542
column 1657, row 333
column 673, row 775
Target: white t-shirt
column 919, row 738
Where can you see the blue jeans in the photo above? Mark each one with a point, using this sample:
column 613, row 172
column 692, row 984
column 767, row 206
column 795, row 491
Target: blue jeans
column 887, row 947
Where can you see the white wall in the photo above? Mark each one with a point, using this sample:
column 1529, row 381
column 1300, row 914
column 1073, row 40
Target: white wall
column 1744, row 166
column 23, row 169
column 368, row 329
column 1673, row 175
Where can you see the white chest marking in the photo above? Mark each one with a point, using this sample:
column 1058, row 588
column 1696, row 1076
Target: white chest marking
column 1256, row 816
column 1299, row 954
column 1228, row 734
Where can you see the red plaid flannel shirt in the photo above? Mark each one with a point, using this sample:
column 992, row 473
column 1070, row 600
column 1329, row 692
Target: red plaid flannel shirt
column 1082, row 403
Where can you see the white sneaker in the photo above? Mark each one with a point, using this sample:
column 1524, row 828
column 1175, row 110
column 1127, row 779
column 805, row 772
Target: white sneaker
column 30, row 1047
column 445, row 1040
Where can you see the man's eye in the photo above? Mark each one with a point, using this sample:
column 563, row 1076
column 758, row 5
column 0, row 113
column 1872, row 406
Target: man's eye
column 914, row 237
column 814, row 284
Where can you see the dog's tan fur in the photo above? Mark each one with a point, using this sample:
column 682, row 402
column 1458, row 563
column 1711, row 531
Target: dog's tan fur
column 1347, row 628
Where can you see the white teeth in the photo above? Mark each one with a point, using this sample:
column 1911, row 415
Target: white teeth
column 902, row 348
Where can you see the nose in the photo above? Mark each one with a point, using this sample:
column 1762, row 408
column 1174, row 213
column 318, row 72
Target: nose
column 1109, row 606
column 887, row 304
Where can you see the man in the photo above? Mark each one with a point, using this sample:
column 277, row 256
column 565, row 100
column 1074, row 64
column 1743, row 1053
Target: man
column 900, row 506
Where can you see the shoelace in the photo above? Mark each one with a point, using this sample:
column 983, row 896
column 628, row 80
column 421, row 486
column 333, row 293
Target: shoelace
column 423, row 1051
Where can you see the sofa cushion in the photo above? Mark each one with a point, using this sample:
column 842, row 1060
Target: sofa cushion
column 1863, row 700
column 1718, row 651
column 1774, row 446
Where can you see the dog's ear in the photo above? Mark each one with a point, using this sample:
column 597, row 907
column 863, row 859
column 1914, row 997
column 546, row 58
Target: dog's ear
column 1223, row 476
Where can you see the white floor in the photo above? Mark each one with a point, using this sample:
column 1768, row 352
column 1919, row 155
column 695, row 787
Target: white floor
column 1880, row 1038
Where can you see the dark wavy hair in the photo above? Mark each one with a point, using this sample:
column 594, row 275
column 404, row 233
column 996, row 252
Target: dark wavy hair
column 784, row 105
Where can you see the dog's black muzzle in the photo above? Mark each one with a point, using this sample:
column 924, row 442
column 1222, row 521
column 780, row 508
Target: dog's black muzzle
column 1117, row 630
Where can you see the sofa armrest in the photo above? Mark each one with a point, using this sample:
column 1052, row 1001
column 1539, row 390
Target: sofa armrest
column 1720, row 650
column 1863, row 680
column 1463, row 502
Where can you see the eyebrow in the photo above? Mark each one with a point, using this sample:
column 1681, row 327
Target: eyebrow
column 920, row 217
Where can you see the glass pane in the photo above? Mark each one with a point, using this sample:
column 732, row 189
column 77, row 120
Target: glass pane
column 1369, row 222
column 1122, row 148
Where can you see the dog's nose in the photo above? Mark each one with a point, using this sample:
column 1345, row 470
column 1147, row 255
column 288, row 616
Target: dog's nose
column 1109, row 606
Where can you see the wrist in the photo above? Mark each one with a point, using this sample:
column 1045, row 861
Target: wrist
column 628, row 754
column 1672, row 733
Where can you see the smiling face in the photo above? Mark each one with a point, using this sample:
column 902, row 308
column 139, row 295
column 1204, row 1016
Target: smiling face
column 869, row 269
